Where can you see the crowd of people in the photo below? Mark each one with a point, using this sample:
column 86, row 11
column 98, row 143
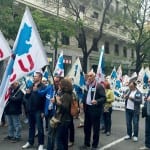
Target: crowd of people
column 53, row 102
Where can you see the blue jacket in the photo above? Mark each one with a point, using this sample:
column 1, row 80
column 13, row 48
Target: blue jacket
column 48, row 92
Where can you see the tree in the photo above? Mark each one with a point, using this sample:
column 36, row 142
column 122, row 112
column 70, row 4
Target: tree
column 76, row 10
column 9, row 19
column 134, row 23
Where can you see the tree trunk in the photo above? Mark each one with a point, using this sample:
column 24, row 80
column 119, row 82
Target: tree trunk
column 138, row 59
column 85, row 62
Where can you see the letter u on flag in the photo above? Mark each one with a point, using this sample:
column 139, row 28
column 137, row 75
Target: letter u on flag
column 28, row 56
column 5, row 50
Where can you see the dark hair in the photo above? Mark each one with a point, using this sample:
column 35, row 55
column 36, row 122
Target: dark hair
column 107, row 85
column 66, row 85
column 134, row 83
column 39, row 74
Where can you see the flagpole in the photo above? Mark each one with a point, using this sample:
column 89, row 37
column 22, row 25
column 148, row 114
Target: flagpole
column 98, row 69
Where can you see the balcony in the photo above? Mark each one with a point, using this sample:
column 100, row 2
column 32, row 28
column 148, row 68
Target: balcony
column 51, row 7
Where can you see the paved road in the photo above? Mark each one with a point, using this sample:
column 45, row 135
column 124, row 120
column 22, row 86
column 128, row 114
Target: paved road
column 113, row 142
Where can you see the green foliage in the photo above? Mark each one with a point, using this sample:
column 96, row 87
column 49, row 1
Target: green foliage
column 48, row 25
column 9, row 21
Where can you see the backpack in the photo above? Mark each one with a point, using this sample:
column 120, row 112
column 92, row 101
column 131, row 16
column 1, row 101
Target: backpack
column 74, row 106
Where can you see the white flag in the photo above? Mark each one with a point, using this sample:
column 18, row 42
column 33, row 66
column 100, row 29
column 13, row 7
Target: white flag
column 59, row 68
column 76, row 73
column 28, row 56
column 5, row 50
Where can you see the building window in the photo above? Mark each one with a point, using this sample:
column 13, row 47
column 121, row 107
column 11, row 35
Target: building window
column 124, row 51
column 95, row 15
column 116, row 49
column 107, row 47
column 67, row 64
column 65, row 39
column 132, row 53
column 82, row 9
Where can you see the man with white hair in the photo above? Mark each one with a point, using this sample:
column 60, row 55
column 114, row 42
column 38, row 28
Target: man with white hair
column 93, row 100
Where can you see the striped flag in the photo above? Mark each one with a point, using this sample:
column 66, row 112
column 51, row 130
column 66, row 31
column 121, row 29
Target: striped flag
column 28, row 56
column 5, row 50
column 59, row 68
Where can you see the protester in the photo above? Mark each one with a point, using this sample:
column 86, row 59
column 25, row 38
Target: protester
column 51, row 133
column 147, row 127
column 13, row 111
column 49, row 109
column 133, row 99
column 35, row 106
column 63, row 107
column 93, row 100
column 108, row 108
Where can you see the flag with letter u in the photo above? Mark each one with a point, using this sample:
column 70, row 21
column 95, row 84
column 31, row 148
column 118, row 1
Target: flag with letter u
column 28, row 56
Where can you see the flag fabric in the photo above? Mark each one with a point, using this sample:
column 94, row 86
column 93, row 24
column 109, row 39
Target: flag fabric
column 114, row 73
column 78, row 79
column 46, row 73
column 141, row 74
column 5, row 50
column 76, row 74
column 59, row 68
column 133, row 76
column 145, row 80
column 100, row 76
column 28, row 56
column 125, row 80
column 119, row 73
column 147, row 71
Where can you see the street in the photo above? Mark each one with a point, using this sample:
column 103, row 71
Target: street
column 113, row 142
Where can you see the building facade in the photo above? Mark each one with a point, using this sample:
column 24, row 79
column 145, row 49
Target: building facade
column 115, row 39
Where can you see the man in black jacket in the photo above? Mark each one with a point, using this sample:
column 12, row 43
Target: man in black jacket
column 13, row 111
column 35, row 107
column 93, row 100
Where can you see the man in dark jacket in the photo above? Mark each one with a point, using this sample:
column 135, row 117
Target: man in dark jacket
column 93, row 100
column 147, row 126
column 35, row 107
column 13, row 111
